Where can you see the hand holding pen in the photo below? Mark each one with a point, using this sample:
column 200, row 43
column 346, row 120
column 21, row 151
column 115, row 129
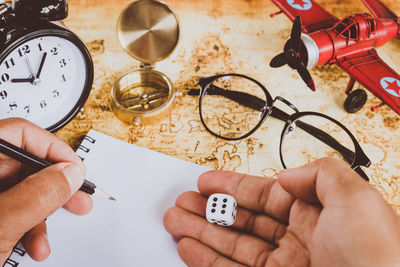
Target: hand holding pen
column 27, row 199
column 37, row 164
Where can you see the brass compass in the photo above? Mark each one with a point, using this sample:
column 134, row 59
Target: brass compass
column 149, row 31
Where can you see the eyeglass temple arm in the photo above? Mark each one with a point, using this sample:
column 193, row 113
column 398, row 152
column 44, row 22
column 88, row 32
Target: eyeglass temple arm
column 327, row 139
column 242, row 98
column 361, row 173
column 256, row 103
column 347, row 154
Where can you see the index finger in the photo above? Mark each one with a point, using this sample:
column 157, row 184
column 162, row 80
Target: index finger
column 37, row 141
column 251, row 192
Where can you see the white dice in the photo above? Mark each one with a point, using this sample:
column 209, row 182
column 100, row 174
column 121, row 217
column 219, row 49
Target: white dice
column 221, row 209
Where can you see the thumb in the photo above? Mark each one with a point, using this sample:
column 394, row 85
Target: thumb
column 35, row 198
column 326, row 181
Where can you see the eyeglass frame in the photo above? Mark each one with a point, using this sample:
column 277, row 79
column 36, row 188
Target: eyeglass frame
column 360, row 158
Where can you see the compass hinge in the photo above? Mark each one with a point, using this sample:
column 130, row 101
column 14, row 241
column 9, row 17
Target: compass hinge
column 146, row 66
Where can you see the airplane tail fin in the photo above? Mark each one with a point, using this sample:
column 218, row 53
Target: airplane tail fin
column 379, row 9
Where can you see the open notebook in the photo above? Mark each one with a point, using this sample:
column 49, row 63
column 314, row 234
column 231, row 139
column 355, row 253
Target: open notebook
column 126, row 232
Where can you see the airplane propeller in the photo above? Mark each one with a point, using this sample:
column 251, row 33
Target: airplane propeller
column 291, row 55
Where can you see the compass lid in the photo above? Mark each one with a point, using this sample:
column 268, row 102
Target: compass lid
column 148, row 30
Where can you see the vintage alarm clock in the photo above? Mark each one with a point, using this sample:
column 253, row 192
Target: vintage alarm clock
column 46, row 72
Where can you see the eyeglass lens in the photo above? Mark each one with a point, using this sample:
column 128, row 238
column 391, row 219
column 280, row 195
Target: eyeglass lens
column 299, row 147
column 232, row 106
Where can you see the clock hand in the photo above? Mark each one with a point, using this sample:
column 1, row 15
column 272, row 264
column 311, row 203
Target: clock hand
column 28, row 80
column 41, row 65
column 34, row 80
column 31, row 78
column 28, row 63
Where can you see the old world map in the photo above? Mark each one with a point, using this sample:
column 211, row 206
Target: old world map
column 236, row 36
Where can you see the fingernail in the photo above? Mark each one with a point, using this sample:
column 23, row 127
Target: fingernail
column 74, row 175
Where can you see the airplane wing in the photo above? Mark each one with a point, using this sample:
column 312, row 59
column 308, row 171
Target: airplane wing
column 369, row 70
column 313, row 16
column 379, row 9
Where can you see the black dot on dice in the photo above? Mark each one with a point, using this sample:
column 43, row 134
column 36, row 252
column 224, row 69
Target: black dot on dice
column 214, row 223
column 213, row 210
column 215, row 198
column 213, row 220
column 225, row 224
column 223, row 211
column 234, row 217
column 214, row 205
column 225, row 200
column 223, row 206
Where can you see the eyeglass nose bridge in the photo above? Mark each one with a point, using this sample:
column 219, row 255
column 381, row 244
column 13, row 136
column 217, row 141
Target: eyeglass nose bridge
column 283, row 100
column 268, row 108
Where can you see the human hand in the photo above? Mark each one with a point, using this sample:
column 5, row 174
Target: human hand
column 27, row 199
column 322, row 214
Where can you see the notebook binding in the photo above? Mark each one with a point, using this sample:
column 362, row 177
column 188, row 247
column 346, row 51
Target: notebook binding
column 18, row 250
column 85, row 145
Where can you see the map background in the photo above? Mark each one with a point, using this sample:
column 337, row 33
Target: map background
column 231, row 36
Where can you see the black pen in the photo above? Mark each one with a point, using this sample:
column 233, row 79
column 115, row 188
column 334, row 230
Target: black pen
column 38, row 164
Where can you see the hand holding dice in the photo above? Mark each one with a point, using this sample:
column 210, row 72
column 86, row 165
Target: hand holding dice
column 221, row 209
column 290, row 221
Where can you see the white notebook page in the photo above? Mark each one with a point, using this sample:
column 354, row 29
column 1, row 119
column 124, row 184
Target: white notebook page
column 129, row 231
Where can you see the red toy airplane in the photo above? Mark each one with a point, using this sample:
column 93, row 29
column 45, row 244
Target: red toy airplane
column 350, row 43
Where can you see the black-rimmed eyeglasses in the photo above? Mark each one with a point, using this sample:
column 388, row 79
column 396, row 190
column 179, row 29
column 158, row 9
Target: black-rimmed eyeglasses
column 233, row 106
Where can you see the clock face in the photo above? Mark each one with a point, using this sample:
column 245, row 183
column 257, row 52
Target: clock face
column 42, row 80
